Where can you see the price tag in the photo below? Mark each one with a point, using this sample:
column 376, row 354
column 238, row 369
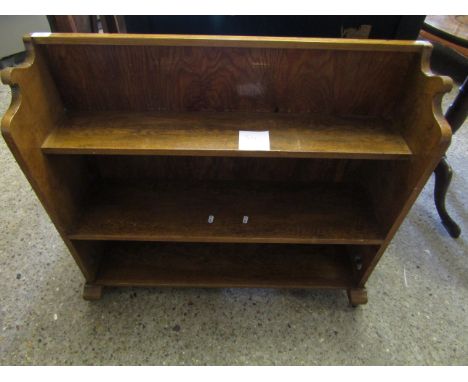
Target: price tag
column 254, row 140
column 41, row 34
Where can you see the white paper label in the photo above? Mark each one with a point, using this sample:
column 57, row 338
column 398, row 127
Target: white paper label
column 254, row 140
column 40, row 34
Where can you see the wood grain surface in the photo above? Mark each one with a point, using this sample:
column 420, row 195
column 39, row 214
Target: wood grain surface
column 226, row 41
column 217, row 134
column 393, row 186
column 160, row 78
column 277, row 212
column 133, row 169
column 225, row 265
column 35, row 109
column 171, row 108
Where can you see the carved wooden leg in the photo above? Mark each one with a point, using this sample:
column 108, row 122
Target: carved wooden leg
column 357, row 296
column 92, row 292
column 443, row 176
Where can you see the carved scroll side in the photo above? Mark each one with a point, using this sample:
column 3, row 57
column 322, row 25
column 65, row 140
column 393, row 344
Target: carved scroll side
column 12, row 77
column 436, row 87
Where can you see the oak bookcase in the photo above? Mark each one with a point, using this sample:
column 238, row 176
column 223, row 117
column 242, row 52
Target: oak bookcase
column 131, row 143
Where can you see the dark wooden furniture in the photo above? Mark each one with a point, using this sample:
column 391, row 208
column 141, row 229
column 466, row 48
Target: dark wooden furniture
column 449, row 33
column 452, row 29
column 132, row 145
column 388, row 27
column 73, row 23
column 456, row 115
column 87, row 24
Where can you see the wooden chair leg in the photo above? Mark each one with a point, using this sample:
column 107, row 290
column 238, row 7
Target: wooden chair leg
column 357, row 296
column 92, row 292
column 443, row 176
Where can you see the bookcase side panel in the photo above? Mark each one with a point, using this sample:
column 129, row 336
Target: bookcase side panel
column 34, row 111
column 395, row 186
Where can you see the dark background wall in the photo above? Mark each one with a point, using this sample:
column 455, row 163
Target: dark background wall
column 382, row 27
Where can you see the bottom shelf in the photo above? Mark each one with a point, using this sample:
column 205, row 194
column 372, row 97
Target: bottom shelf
column 225, row 265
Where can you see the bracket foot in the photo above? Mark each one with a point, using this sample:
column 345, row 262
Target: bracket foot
column 357, row 296
column 92, row 292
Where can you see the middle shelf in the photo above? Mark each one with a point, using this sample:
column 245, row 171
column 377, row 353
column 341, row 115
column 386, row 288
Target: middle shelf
column 300, row 213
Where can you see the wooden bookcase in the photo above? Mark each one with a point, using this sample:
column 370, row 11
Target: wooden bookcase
column 131, row 143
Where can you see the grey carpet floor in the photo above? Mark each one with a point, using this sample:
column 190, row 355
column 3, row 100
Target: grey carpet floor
column 417, row 311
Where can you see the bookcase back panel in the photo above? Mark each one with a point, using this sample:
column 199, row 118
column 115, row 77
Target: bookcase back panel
column 228, row 265
column 194, row 78
column 224, row 168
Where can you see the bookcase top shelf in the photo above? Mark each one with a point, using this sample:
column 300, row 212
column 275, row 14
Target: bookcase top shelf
column 217, row 134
